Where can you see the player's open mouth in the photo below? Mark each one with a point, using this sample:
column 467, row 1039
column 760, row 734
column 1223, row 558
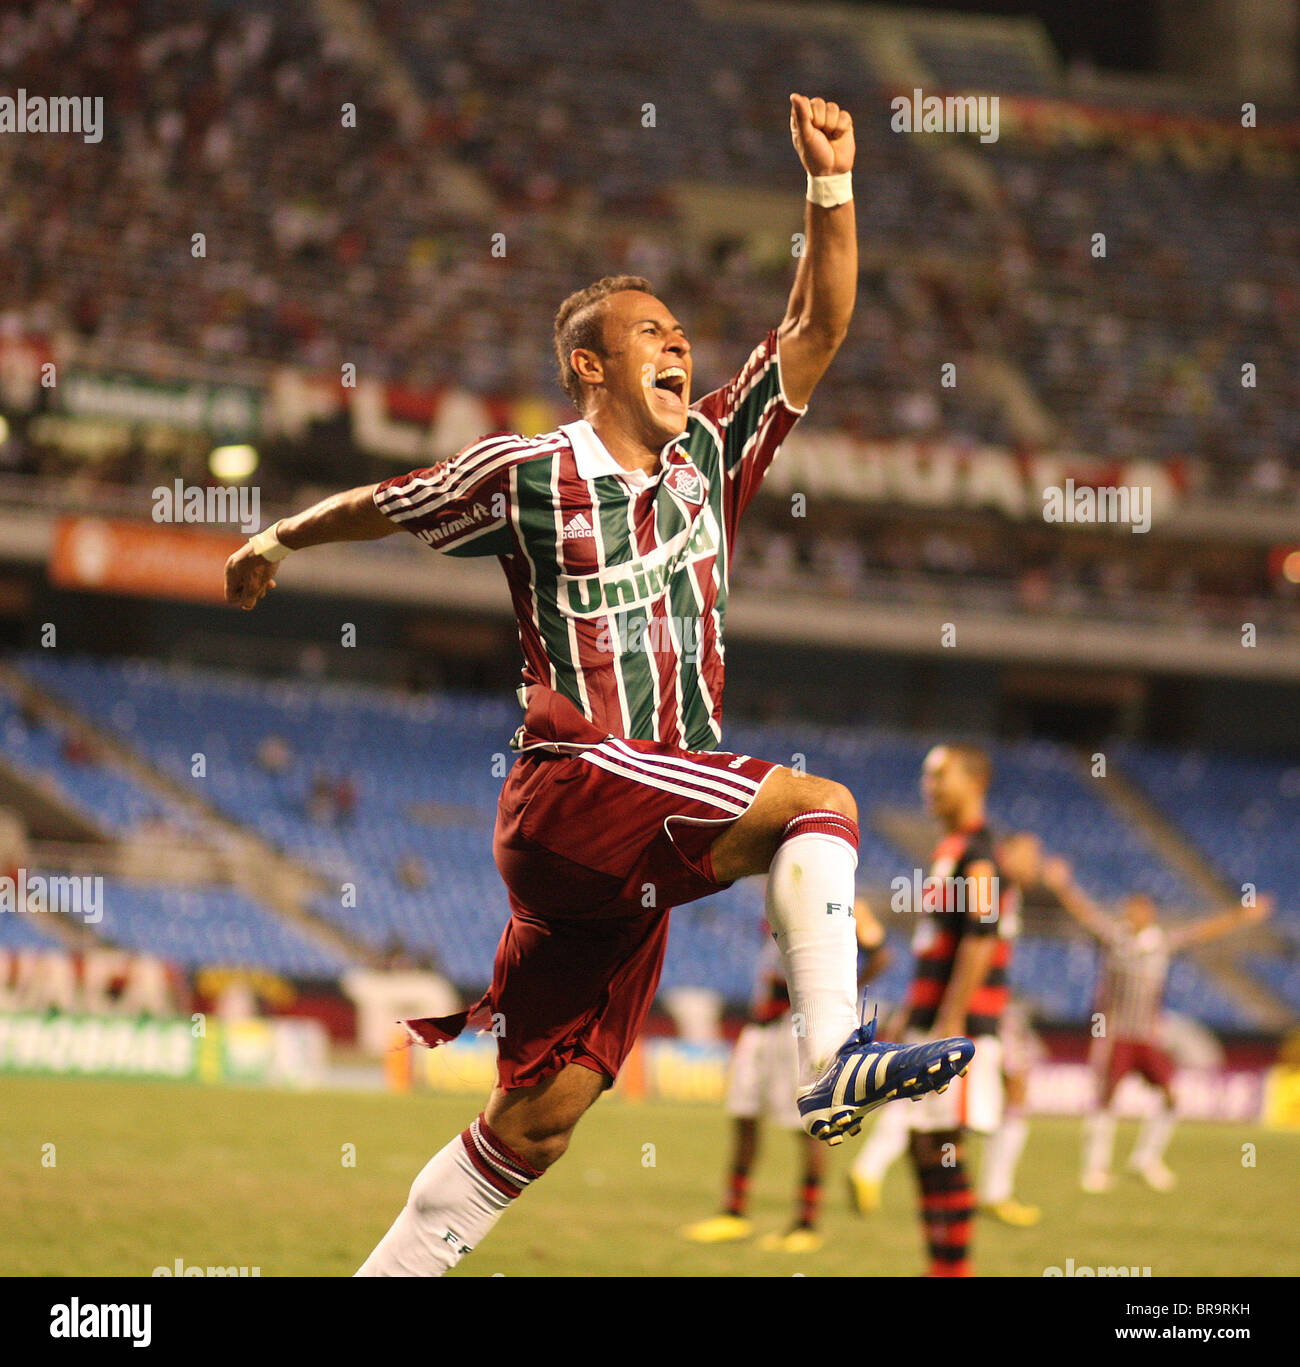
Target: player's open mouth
column 670, row 386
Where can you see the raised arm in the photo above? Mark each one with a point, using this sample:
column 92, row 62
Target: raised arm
column 1214, row 927
column 826, row 278
column 1059, row 877
column 871, row 941
column 350, row 516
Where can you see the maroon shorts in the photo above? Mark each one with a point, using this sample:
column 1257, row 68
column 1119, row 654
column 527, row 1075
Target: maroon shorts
column 597, row 840
column 1126, row 1056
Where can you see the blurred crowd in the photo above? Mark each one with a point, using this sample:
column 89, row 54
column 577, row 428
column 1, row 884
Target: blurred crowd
column 428, row 240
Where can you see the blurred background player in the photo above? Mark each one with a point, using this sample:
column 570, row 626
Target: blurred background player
column 1137, row 952
column 960, row 974
column 763, row 1075
column 1019, row 860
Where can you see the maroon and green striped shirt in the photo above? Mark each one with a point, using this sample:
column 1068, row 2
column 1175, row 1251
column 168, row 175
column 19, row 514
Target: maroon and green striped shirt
column 618, row 578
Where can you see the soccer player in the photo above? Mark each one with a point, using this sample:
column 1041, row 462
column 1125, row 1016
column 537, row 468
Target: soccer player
column 615, row 534
column 1018, row 858
column 962, row 951
column 762, row 1082
column 1137, row 952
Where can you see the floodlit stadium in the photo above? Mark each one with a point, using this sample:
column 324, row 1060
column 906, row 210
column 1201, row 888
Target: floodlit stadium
column 947, row 357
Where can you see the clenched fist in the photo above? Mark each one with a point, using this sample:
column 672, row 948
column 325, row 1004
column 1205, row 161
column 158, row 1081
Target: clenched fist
column 248, row 578
column 822, row 133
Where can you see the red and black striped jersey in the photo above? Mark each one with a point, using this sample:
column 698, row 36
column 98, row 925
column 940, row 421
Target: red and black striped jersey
column 948, row 914
column 771, row 999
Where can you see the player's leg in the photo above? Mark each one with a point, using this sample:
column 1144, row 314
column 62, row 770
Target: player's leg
column 802, row 831
column 1002, row 1156
column 732, row 1223
column 780, row 1072
column 1148, row 1159
column 567, row 999
column 744, row 1154
column 947, row 1202
column 886, row 1143
column 468, row 1185
column 1100, row 1125
column 538, row 1122
column 810, row 1182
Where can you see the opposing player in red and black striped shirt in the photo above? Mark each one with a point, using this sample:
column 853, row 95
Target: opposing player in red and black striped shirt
column 962, row 958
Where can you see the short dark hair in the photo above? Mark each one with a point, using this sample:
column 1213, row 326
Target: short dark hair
column 975, row 761
column 578, row 325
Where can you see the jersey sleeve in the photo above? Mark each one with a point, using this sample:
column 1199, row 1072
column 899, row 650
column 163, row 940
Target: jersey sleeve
column 749, row 417
column 462, row 505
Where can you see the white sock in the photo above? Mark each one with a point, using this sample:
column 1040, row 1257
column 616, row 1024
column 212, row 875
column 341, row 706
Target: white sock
column 462, row 1191
column 1098, row 1141
column 1001, row 1155
column 886, row 1143
column 1153, row 1138
column 810, row 896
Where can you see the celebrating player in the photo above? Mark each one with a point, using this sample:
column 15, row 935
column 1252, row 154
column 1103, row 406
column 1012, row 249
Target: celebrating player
column 764, row 1072
column 616, row 533
column 1134, row 973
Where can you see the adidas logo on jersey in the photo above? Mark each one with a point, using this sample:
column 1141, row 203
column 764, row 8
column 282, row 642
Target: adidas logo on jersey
column 577, row 526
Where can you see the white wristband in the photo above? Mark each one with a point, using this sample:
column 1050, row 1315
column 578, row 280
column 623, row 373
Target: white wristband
column 828, row 191
column 267, row 545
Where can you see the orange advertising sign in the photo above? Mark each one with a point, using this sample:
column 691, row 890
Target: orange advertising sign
column 140, row 559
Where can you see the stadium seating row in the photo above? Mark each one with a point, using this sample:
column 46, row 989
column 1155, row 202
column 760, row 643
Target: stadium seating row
column 390, row 799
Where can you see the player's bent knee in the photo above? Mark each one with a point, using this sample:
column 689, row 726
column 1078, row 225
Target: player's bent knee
column 546, row 1151
column 807, row 793
column 795, row 793
column 830, row 796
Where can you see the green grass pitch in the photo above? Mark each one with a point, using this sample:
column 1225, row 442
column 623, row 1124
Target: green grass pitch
column 144, row 1174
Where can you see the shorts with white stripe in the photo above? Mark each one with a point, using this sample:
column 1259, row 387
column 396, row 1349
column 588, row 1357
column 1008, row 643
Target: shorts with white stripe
column 596, row 846
column 972, row 1102
column 631, row 811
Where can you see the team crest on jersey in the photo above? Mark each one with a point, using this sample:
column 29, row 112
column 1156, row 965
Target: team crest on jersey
column 686, row 482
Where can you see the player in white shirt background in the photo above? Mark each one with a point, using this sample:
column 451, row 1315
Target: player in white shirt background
column 1137, row 951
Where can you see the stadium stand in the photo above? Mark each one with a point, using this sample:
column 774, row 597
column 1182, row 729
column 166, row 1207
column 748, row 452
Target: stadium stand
column 1242, row 812
column 373, row 260
column 397, row 812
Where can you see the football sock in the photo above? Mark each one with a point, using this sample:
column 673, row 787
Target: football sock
column 886, row 1143
column 1154, row 1136
column 738, row 1190
column 947, row 1204
column 810, row 896
column 1098, row 1141
column 810, row 1192
column 463, row 1190
column 1001, row 1155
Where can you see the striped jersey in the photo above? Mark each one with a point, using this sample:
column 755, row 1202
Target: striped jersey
column 771, row 997
column 1135, row 968
column 944, row 922
column 618, row 578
